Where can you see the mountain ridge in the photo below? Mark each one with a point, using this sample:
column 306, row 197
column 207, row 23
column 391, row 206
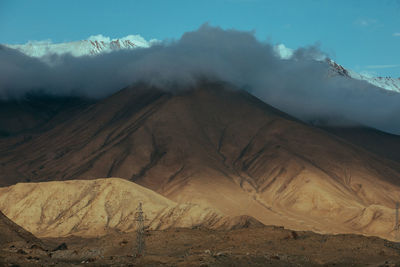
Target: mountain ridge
column 387, row 83
column 216, row 146
column 99, row 44
column 97, row 207
column 94, row 45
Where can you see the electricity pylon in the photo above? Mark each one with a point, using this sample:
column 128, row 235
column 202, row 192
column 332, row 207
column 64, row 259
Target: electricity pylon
column 396, row 226
column 140, row 230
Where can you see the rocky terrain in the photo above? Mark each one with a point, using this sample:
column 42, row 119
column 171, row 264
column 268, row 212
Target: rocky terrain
column 11, row 232
column 212, row 147
column 265, row 246
column 98, row 207
column 217, row 147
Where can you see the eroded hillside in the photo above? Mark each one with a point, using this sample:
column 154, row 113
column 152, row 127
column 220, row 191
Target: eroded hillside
column 218, row 147
column 96, row 207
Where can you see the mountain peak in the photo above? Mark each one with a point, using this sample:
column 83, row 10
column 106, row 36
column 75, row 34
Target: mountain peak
column 98, row 44
column 94, row 45
column 216, row 146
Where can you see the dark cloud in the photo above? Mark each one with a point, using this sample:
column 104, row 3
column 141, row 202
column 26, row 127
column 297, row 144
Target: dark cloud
column 300, row 86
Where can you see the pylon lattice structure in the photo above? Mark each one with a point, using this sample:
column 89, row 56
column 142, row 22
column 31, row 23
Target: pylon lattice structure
column 140, row 230
column 396, row 226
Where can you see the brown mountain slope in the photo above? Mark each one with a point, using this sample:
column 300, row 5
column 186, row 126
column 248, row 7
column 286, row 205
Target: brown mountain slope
column 222, row 148
column 31, row 114
column 383, row 144
column 11, row 232
column 93, row 208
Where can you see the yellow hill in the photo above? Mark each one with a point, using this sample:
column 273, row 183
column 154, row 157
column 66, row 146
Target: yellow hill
column 93, row 207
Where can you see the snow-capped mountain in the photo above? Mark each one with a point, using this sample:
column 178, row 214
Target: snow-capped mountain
column 93, row 45
column 388, row 83
column 100, row 44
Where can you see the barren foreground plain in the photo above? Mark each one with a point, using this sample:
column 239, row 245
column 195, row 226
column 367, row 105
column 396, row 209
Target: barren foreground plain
column 260, row 246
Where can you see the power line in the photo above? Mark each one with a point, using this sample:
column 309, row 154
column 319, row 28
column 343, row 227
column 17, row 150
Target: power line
column 140, row 230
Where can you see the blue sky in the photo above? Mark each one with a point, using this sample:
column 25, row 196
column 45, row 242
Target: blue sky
column 363, row 35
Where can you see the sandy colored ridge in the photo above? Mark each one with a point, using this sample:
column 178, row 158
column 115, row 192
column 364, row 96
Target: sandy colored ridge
column 94, row 207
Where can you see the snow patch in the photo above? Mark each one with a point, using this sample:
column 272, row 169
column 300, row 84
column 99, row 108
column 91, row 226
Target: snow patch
column 387, row 83
column 95, row 44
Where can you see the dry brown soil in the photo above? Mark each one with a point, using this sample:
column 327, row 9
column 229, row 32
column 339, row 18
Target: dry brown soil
column 265, row 246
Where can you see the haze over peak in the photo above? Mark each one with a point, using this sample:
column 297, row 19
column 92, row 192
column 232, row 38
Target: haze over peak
column 98, row 44
column 300, row 85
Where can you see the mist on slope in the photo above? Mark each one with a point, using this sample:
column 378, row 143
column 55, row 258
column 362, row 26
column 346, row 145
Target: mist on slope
column 300, row 86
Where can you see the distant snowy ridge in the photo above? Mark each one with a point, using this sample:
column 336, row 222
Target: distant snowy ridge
column 388, row 83
column 98, row 44
column 94, row 45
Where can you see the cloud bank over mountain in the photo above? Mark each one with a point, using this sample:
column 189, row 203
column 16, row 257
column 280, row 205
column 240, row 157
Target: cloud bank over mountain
column 299, row 85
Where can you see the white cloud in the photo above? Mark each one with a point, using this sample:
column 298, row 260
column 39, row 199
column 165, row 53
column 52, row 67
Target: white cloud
column 136, row 39
column 369, row 74
column 368, row 23
column 298, row 86
column 365, row 22
column 383, row 66
column 396, row 34
column 282, row 51
column 39, row 42
column 99, row 37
